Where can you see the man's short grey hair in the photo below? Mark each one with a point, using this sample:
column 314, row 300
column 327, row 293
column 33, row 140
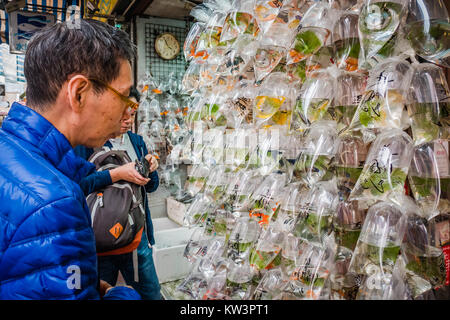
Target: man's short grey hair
column 94, row 49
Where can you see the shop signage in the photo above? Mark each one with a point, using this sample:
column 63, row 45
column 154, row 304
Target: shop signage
column 23, row 25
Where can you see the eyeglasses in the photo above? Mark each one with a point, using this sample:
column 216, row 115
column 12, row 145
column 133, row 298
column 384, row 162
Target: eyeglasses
column 131, row 105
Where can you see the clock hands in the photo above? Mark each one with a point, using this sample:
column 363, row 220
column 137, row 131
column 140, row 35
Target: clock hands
column 166, row 43
column 169, row 49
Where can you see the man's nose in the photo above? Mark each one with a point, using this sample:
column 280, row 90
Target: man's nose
column 126, row 115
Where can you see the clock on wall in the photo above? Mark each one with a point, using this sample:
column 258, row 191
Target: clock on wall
column 167, row 46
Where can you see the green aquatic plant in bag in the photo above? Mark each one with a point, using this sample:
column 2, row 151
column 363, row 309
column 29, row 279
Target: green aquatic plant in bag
column 379, row 27
column 429, row 103
column 315, row 97
column 382, row 105
column 314, row 221
column 319, row 150
column 385, row 169
column 424, row 263
column 429, row 177
column 377, row 250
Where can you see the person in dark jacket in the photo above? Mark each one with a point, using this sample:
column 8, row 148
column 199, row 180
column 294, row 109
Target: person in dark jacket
column 78, row 81
column 147, row 283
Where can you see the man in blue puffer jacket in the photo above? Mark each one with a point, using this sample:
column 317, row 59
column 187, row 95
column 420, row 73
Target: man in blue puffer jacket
column 78, row 81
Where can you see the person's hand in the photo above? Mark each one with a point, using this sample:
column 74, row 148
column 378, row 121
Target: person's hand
column 153, row 162
column 104, row 287
column 128, row 173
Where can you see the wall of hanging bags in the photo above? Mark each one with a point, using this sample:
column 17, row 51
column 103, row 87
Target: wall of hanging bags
column 318, row 133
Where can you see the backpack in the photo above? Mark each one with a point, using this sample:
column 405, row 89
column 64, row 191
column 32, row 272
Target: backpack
column 117, row 212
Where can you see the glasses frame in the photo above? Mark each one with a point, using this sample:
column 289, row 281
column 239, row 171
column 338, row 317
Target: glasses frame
column 131, row 105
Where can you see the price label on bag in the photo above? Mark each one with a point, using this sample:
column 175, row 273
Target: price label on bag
column 442, row 157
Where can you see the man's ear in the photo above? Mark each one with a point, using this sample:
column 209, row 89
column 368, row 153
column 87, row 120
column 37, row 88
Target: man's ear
column 77, row 89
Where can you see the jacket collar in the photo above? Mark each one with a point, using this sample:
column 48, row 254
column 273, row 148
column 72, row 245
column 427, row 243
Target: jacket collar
column 29, row 126
column 133, row 143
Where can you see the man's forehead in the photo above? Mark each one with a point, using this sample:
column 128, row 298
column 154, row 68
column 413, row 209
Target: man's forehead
column 124, row 81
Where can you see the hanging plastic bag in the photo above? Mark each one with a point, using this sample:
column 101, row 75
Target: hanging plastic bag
column 350, row 89
column 194, row 285
column 196, row 179
column 315, row 97
column 266, row 12
column 267, row 155
column 315, row 31
column 314, row 222
column 270, row 287
column 313, row 269
column 429, row 177
column 235, row 150
column 212, row 257
column 208, row 75
column 322, row 59
column 346, row 42
column 198, row 210
column 238, row 22
column 217, row 113
column 197, row 244
column 383, row 104
column 191, row 78
column 307, row 42
column 291, row 251
column 239, row 285
column 190, row 45
column 319, row 150
column 213, row 152
column 265, row 200
column 224, row 222
column 217, row 182
column 240, row 189
column 292, row 12
column 425, row 263
column 289, row 208
column 217, row 283
column 386, row 167
column 347, row 224
column 350, row 159
column 377, row 250
column 379, row 24
column 267, row 252
column 244, row 235
column 148, row 85
column 429, row 107
column 195, row 111
column 272, row 104
column 427, row 28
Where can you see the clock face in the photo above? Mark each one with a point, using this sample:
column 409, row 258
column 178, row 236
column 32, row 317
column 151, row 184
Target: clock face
column 167, row 46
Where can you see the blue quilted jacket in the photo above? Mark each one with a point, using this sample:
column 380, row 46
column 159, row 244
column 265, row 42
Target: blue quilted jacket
column 47, row 248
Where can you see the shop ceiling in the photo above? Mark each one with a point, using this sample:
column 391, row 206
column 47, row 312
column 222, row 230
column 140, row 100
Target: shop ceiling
column 172, row 9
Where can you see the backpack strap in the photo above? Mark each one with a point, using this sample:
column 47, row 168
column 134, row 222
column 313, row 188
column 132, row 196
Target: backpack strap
column 99, row 153
column 135, row 265
column 107, row 167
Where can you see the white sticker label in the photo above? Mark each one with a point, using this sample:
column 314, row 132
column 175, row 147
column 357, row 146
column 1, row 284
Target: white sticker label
column 442, row 157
